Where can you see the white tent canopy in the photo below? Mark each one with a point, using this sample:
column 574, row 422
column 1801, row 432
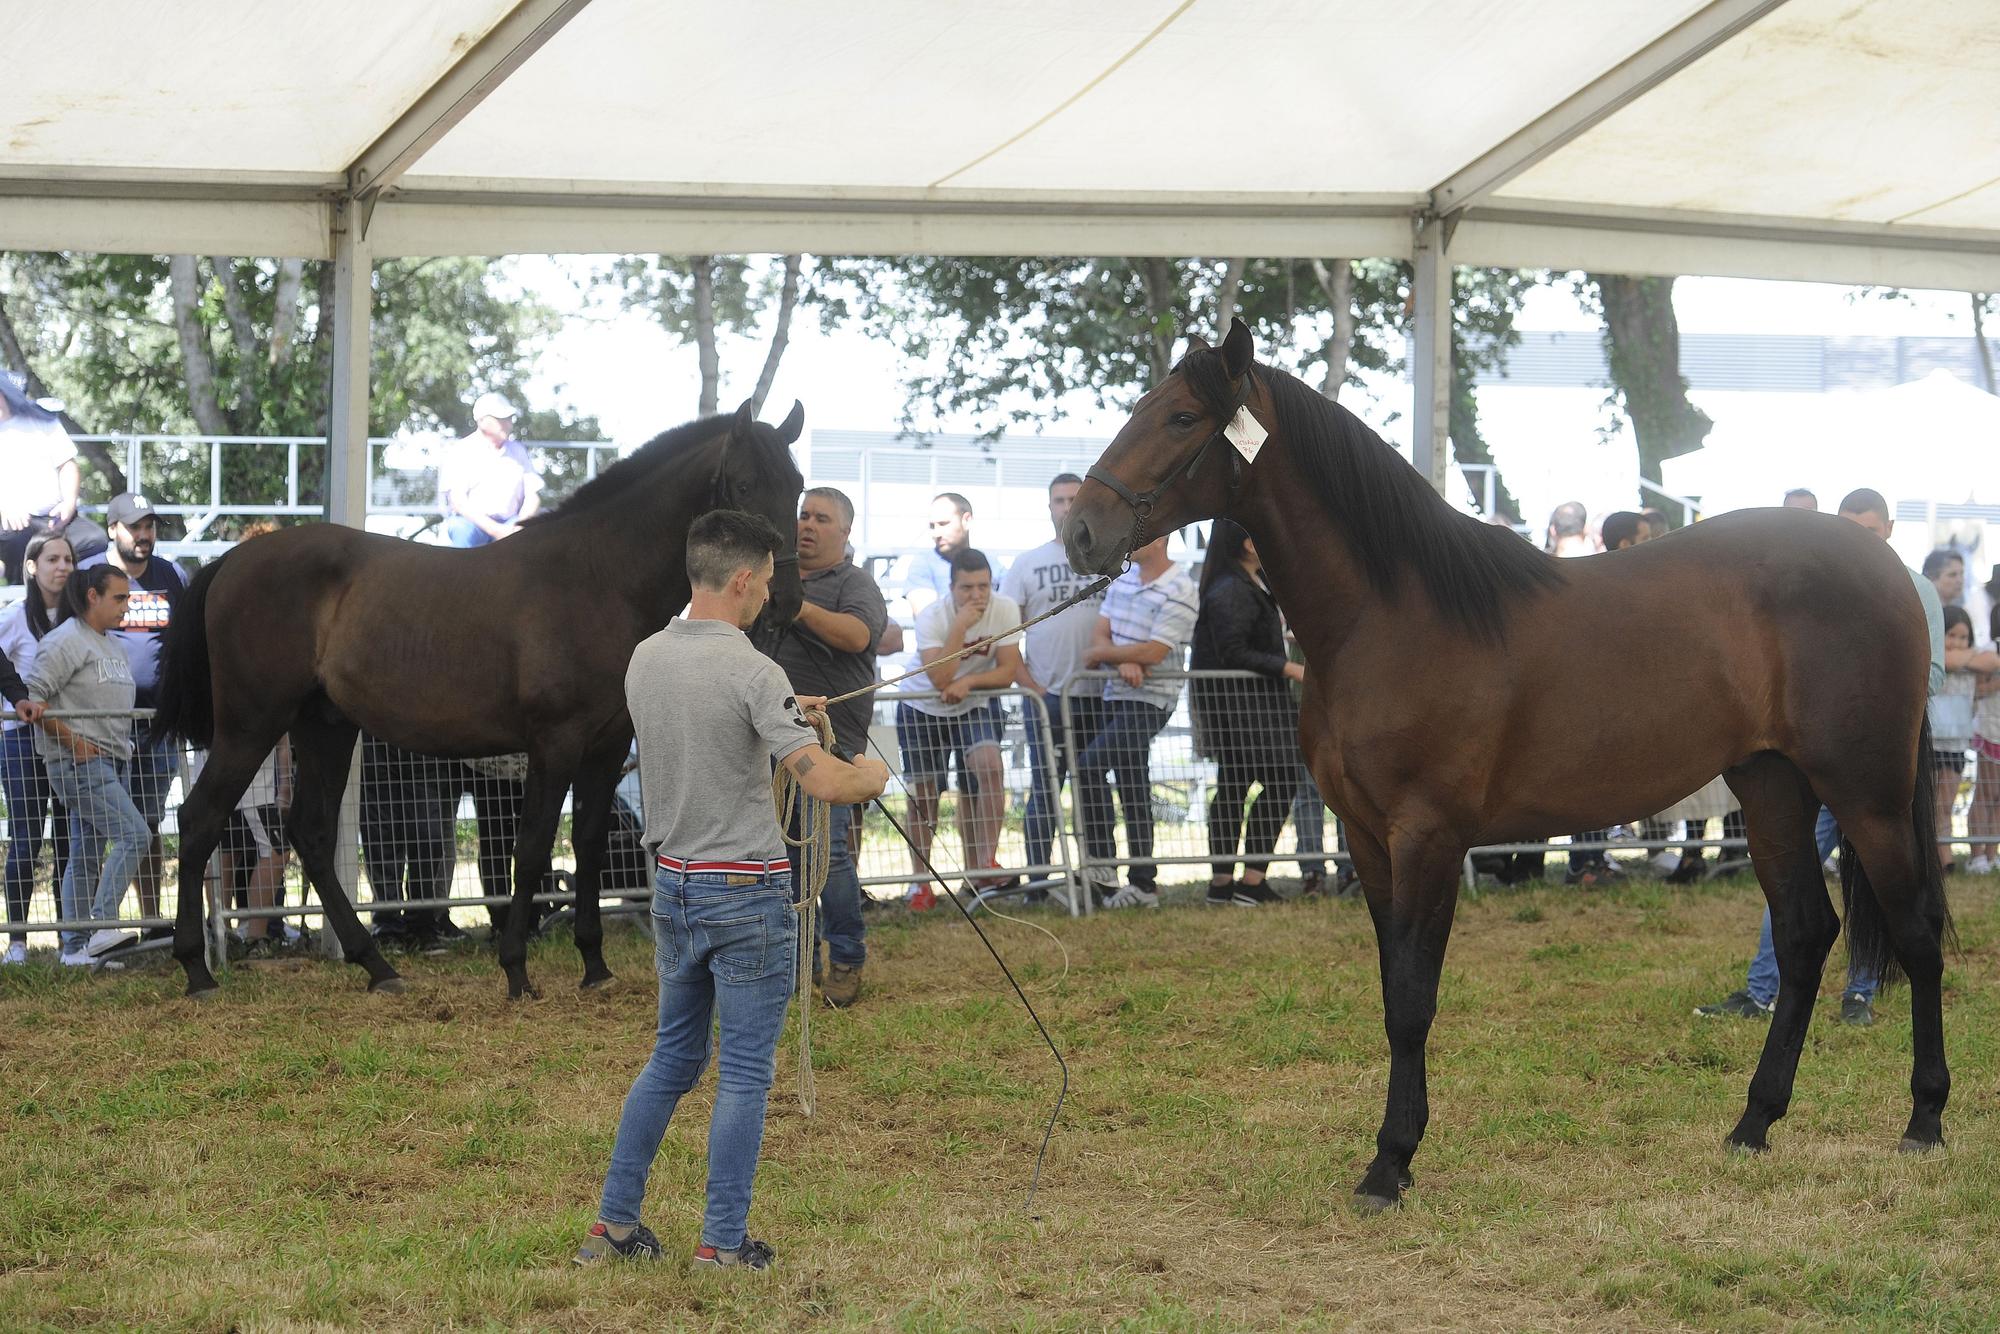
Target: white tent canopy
column 1839, row 140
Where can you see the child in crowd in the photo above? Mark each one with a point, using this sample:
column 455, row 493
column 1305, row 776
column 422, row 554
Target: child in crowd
column 1983, row 820
column 1951, row 712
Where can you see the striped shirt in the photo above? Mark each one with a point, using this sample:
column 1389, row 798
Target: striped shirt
column 1162, row 611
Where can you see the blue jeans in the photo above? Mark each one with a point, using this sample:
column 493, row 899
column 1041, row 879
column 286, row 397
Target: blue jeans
column 839, row 918
column 1048, row 767
column 100, row 811
column 723, row 953
column 463, row 532
column 1763, row 980
column 1309, row 824
column 1123, row 744
column 149, row 774
column 27, row 789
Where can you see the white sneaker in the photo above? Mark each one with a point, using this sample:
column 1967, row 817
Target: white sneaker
column 1980, row 865
column 103, row 942
column 17, row 953
column 1666, row 863
column 85, row 961
column 1132, row 896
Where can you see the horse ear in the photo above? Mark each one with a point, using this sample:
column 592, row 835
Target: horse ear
column 746, row 416
column 1238, row 350
column 793, row 425
column 1196, row 343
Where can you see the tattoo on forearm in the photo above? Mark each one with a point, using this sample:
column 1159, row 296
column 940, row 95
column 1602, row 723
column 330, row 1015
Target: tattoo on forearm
column 803, row 767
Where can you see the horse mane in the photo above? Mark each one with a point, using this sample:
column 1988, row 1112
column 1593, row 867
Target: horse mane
column 1386, row 512
column 642, row 462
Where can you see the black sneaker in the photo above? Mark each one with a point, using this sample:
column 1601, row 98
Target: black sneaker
column 1856, row 1009
column 750, row 1255
column 599, row 1244
column 1257, row 895
column 1736, row 1005
column 1595, row 875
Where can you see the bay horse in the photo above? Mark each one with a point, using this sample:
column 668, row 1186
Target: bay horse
column 322, row 631
column 1444, row 684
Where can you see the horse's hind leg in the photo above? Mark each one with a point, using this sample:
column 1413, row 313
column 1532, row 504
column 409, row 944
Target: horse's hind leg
column 232, row 762
column 324, row 749
column 1779, row 809
column 1412, row 924
column 590, row 828
column 1889, row 854
column 541, row 812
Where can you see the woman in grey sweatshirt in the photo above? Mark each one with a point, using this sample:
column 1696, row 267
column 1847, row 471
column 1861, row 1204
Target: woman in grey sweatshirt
column 81, row 668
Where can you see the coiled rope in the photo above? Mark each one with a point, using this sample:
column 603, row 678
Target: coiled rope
column 812, row 858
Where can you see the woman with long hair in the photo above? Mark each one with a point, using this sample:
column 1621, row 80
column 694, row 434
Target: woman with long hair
column 1250, row 727
column 82, row 670
column 47, row 566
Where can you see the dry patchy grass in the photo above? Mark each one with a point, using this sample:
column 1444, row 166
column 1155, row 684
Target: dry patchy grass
column 302, row 1154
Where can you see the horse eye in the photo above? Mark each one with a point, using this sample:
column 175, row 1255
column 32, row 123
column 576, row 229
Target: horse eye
column 1183, row 419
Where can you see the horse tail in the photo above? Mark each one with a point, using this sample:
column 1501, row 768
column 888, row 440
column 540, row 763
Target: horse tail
column 1868, row 941
column 186, row 706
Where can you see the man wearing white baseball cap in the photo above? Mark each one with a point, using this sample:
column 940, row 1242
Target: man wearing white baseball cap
column 488, row 481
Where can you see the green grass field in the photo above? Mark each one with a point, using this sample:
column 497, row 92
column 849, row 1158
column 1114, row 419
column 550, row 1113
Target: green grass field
column 303, row 1154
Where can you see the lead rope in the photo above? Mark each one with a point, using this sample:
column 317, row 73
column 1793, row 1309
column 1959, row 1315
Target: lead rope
column 810, row 864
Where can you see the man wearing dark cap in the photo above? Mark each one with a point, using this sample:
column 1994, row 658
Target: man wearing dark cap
column 157, row 586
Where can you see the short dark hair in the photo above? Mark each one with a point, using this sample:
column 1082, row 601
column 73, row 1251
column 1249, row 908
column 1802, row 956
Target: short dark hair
column 1805, row 491
column 1958, row 616
column 82, row 583
column 1062, row 477
column 837, row 496
column 1569, row 518
column 721, row 542
column 1935, row 563
column 1621, row 526
column 969, row 561
column 958, row 502
column 1866, row 500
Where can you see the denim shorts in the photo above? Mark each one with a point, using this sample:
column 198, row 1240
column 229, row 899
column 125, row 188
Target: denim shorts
column 929, row 742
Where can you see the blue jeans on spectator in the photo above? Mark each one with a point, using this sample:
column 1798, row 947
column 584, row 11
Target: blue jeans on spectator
column 463, row 532
column 1049, row 767
column 1763, row 981
column 149, row 774
column 724, row 953
column 1309, row 824
column 1123, row 744
column 839, row 916
column 27, row 790
column 100, row 811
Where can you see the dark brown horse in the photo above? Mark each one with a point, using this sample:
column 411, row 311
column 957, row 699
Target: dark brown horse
column 1443, row 686
column 519, row 646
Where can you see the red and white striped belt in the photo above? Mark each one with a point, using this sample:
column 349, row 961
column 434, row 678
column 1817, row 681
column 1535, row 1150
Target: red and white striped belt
column 723, row 868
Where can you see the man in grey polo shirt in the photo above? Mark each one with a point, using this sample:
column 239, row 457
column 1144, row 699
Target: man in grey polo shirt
column 829, row 651
column 711, row 714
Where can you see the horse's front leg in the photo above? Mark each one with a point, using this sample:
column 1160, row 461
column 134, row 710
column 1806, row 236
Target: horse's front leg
column 1412, row 913
column 590, row 828
column 541, row 812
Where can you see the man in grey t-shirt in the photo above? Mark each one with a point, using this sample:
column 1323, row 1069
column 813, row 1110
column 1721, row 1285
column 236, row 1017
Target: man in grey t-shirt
column 711, row 714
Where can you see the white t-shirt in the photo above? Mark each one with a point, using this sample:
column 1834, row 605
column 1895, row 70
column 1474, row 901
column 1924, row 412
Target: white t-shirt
column 1039, row 581
column 18, row 642
column 926, row 578
column 934, row 627
column 31, row 454
column 476, row 478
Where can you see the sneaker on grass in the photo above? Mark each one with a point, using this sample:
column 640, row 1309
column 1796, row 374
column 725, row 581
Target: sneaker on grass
column 1856, row 1010
column 103, row 942
column 599, row 1244
column 1134, row 896
column 750, row 1255
column 17, row 953
column 85, row 961
column 1236, row 894
column 1736, row 1005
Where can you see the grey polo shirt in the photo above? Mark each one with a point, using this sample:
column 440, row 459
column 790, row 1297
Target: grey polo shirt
column 711, row 713
column 816, row 668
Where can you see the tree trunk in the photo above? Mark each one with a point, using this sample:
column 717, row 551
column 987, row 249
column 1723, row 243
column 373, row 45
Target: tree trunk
column 1979, row 343
column 1225, row 299
column 197, row 364
column 244, row 334
column 1642, row 346
column 1158, row 278
column 704, row 333
column 322, row 348
column 1336, row 280
column 93, row 450
column 788, row 300
column 285, row 289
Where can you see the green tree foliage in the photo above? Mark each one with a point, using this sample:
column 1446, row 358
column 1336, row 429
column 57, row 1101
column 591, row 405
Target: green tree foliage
column 172, row 345
column 1642, row 348
column 1006, row 339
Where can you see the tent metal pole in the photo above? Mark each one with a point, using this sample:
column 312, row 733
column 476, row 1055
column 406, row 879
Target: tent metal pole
column 1430, row 352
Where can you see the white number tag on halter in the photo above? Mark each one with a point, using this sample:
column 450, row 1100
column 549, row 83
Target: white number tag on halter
column 1246, row 433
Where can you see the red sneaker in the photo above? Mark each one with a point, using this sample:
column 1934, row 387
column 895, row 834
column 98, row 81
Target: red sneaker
column 921, row 898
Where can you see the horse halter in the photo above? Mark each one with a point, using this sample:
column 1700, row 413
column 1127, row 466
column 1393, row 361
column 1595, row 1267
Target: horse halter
column 1141, row 504
column 719, row 499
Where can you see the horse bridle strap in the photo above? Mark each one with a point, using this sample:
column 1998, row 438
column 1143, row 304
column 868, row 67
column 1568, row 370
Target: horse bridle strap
column 1142, row 503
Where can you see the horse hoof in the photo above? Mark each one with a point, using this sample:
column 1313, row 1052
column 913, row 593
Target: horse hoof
column 203, row 995
column 525, row 991
column 389, row 986
column 1367, row 1204
column 1910, row 1145
column 1746, row 1148
column 598, row 982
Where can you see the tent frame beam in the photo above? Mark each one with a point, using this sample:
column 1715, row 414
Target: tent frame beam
column 1430, row 351
column 1623, row 83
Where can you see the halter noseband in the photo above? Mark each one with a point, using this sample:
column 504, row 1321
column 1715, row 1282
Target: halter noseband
column 1141, row 504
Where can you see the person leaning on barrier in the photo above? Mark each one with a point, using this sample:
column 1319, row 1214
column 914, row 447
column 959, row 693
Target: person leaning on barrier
column 1147, row 616
column 829, row 651
column 1248, row 727
column 711, row 714
column 48, row 563
column 488, row 482
column 81, row 668
column 1040, row 581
